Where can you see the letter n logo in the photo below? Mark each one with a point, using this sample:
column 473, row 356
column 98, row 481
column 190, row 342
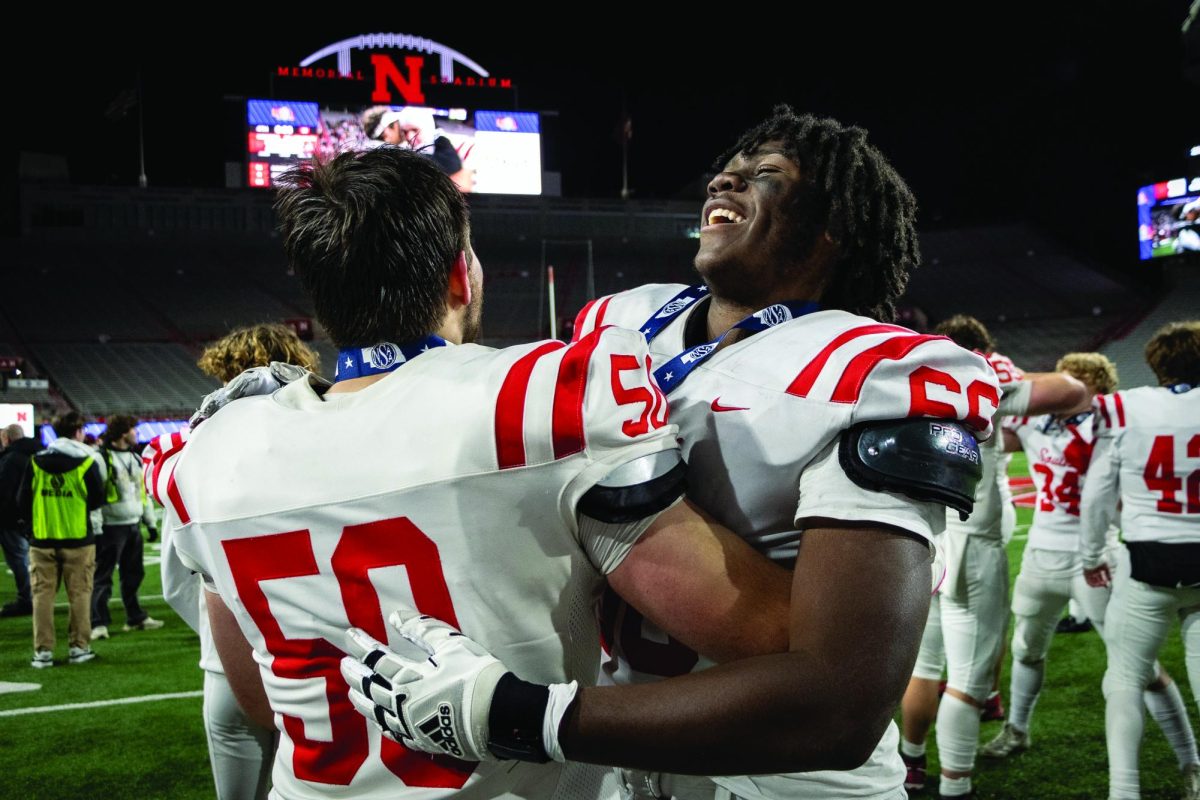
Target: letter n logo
column 386, row 72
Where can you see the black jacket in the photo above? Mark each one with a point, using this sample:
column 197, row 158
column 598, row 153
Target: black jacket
column 13, row 463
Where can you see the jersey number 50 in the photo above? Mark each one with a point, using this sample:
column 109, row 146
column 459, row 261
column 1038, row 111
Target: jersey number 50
column 361, row 548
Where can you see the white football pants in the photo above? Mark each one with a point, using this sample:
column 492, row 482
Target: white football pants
column 240, row 751
column 1139, row 617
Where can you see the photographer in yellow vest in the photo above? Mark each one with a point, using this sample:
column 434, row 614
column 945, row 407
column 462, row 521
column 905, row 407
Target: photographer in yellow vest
column 63, row 484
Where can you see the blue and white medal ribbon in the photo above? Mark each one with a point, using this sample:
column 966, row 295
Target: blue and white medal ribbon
column 672, row 309
column 673, row 373
column 359, row 362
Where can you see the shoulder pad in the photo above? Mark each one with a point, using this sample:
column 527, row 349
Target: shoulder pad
column 930, row 460
column 637, row 489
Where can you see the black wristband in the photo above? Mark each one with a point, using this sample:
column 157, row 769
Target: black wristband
column 515, row 720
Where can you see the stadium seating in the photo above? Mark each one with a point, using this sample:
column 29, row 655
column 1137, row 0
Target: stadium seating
column 1038, row 301
column 175, row 270
column 145, row 379
column 1181, row 302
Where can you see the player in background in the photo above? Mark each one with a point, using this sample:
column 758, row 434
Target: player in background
column 969, row 615
column 1059, row 449
column 782, row 380
column 1147, row 459
column 240, row 751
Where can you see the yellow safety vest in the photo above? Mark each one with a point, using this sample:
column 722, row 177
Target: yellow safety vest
column 60, row 509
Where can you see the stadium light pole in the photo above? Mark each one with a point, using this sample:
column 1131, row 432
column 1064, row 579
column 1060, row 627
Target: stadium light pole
column 143, row 182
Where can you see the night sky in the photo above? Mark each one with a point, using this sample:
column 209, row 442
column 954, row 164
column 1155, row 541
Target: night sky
column 992, row 115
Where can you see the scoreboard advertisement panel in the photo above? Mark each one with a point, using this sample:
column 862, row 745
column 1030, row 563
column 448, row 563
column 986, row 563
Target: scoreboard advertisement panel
column 489, row 152
column 280, row 134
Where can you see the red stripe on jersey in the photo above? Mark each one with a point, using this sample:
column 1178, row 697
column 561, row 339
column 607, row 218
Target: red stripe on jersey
column 600, row 312
column 581, row 319
column 581, row 325
column 510, row 407
column 161, row 459
column 1120, row 409
column 849, row 386
column 177, row 500
column 808, row 376
column 1100, row 401
column 1078, row 452
column 567, row 425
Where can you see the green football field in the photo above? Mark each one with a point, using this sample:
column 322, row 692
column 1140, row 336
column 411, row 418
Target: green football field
column 127, row 725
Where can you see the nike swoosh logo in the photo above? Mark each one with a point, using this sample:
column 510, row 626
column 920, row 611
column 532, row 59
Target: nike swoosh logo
column 716, row 406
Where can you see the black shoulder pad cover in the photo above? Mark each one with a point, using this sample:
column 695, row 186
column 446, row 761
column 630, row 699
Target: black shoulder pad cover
column 925, row 459
column 623, row 504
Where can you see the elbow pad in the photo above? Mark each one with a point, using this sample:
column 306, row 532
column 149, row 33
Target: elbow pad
column 929, row 460
column 637, row 489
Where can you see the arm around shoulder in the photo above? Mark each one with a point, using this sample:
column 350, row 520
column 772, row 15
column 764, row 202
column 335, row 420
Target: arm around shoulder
column 860, row 598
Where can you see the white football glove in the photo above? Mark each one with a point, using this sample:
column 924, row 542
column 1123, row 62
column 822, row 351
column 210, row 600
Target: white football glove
column 447, row 697
column 252, row 382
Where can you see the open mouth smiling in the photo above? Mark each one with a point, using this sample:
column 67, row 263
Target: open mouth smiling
column 722, row 214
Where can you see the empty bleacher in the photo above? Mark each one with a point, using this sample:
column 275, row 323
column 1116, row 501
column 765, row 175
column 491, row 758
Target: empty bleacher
column 145, row 378
column 116, row 317
column 1181, row 302
column 1038, row 301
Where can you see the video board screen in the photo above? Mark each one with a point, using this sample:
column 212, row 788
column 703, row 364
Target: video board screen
column 280, row 134
column 1169, row 218
column 488, row 152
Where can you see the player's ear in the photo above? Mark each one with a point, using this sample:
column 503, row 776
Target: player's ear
column 460, row 279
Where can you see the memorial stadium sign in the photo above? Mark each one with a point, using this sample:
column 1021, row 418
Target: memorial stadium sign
column 393, row 82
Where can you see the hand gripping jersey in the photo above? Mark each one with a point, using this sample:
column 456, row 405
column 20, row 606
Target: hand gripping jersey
column 1059, row 452
column 1148, row 445
column 759, row 421
column 450, row 484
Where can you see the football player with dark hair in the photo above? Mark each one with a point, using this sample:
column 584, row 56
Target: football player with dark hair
column 318, row 507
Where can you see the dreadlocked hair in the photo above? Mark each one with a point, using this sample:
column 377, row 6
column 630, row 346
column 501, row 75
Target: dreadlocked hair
column 860, row 201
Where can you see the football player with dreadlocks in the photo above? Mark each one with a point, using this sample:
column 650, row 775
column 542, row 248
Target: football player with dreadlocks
column 806, row 424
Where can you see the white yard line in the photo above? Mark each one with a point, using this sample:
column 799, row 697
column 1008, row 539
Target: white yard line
column 120, row 701
column 9, row 688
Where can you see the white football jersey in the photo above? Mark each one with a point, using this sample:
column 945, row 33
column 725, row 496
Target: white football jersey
column 993, row 493
column 1059, row 453
column 759, row 421
column 1148, row 443
column 450, row 484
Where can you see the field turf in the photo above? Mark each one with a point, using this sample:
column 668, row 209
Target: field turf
column 156, row 749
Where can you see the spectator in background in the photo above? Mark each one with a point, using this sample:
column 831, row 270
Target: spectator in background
column 241, row 752
column 14, row 531
column 120, row 544
column 62, row 485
